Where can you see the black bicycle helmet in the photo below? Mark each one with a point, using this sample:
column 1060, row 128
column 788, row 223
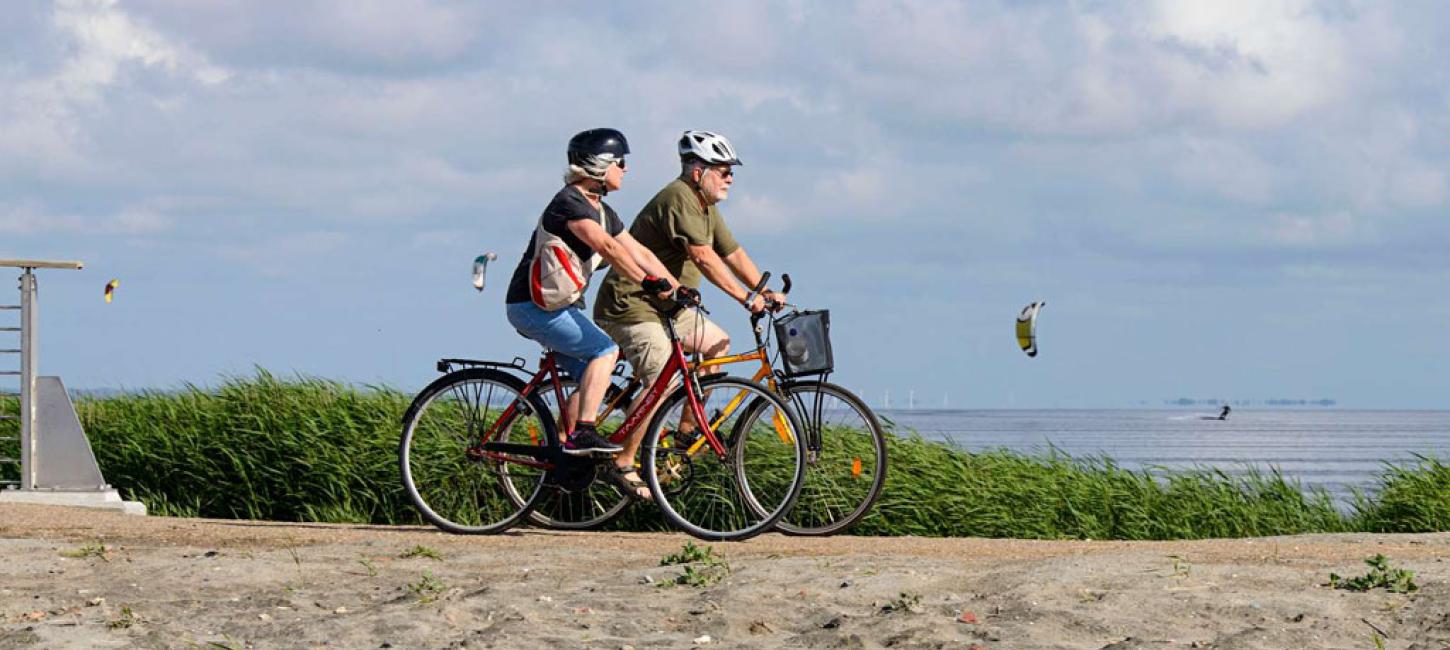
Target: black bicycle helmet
column 588, row 149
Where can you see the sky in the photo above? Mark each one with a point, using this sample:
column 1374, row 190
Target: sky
column 1231, row 200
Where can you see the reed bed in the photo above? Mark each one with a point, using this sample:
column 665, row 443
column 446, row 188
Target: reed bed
column 307, row 449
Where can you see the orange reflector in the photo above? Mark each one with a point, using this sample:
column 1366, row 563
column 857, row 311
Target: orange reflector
column 533, row 434
column 856, row 467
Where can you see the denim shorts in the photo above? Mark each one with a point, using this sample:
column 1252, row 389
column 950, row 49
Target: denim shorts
column 574, row 338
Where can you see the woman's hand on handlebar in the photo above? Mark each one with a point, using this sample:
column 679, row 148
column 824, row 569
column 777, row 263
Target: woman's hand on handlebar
column 663, row 288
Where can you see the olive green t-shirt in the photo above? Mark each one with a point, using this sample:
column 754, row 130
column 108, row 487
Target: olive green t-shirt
column 672, row 220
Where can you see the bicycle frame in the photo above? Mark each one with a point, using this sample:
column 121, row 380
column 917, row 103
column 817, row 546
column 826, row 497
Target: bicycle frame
column 766, row 373
column 508, row 452
column 677, row 365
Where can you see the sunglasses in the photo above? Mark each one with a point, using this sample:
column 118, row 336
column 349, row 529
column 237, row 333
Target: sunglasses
column 620, row 162
column 727, row 172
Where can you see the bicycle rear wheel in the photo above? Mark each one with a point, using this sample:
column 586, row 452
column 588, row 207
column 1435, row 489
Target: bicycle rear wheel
column 453, row 484
column 597, row 503
column 845, row 460
column 742, row 493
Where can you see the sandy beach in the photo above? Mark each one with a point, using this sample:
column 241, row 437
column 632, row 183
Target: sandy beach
column 75, row 578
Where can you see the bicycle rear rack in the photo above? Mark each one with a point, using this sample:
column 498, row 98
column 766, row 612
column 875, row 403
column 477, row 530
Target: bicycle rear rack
column 447, row 365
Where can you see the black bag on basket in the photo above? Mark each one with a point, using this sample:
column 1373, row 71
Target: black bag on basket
column 804, row 339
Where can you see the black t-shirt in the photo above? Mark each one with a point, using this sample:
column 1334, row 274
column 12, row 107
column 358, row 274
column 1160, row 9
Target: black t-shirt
column 569, row 204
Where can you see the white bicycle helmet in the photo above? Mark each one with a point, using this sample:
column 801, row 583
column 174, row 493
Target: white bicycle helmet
column 710, row 147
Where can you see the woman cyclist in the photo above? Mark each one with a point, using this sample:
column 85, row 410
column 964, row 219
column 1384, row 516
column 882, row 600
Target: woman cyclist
column 578, row 217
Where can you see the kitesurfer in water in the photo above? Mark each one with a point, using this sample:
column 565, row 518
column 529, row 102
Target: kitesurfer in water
column 1223, row 415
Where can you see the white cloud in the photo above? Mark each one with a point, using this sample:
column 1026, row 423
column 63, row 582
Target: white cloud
column 1223, row 167
column 1250, row 63
column 758, row 213
column 282, row 254
column 1421, row 187
column 30, row 218
column 44, row 119
column 1316, row 230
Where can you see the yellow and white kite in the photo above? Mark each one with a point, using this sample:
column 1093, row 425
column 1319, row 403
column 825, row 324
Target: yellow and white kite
column 111, row 289
column 1027, row 327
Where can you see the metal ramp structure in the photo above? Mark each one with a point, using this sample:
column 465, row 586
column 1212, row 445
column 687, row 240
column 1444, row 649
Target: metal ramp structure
column 45, row 456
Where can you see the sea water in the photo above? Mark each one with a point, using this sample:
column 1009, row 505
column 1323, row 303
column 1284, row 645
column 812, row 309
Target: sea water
column 1333, row 449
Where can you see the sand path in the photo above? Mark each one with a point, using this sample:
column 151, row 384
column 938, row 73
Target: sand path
column 185, row 583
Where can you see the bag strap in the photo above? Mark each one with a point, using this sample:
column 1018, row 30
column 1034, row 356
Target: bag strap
column 541, row 235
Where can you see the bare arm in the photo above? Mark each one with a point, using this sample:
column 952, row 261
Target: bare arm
column 745, row 269
column 646, row 259
column 717, row 271
column 590, row 232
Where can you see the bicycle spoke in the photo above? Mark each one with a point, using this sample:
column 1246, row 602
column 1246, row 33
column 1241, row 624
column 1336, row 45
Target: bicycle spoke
column 848, row 460
column 456, row 491
column 752, row 485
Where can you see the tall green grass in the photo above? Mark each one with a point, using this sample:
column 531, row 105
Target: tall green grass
column 1411, row 499
column 309, row 449
column 256, row 448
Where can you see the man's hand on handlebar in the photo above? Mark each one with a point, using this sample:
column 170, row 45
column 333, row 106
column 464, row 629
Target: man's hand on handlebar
column 775, row 301
column 756, row 304
column 686, row 296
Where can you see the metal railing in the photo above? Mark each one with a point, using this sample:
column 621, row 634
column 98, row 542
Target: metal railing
column 26, row 371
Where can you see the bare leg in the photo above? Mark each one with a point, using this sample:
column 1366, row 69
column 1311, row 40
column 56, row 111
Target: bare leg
column 712, row 342
column 584, row 403
column 568, row 413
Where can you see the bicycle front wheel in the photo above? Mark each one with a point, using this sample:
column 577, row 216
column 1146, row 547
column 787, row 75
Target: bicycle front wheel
column 453, row 482
column 735, row 495
column 845, row 460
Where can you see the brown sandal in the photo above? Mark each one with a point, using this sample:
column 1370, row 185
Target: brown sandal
column 631, row 487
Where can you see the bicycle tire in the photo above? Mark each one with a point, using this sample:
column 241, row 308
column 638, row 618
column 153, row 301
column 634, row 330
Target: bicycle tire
column 832, row 498
column 453, row 491
column 588, row 509
column 742, row 506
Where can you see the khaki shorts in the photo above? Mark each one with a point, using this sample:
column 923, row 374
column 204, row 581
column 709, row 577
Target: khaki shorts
column 646, row 345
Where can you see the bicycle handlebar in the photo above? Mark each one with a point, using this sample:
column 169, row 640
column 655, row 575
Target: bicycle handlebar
column 771, row 305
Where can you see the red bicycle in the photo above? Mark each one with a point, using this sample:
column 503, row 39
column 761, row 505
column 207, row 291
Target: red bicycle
column 481, row 450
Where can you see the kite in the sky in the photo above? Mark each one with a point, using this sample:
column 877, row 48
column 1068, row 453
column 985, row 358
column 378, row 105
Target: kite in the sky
column 480, row 267
column 111, row 289
column 1027, row 328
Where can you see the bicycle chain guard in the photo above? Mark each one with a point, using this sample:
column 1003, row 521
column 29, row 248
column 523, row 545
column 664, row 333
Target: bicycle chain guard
column 573, row 474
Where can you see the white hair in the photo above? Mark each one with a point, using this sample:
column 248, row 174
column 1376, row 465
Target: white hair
column 690, row 163
column 593, row 169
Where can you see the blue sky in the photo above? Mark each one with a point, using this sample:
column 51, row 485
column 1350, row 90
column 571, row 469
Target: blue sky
column 1238, row 199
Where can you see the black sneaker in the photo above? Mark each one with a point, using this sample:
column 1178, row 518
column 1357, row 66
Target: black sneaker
column 587, row 442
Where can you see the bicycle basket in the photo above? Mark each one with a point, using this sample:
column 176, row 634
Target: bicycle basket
column 804, row 339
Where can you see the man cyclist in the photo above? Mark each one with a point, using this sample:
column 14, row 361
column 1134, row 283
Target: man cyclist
column 682, row 226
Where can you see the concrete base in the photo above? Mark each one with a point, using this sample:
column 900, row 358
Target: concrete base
column 105, row 499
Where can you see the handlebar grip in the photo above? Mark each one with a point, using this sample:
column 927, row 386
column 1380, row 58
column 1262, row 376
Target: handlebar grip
column 760, row 286
column 785, row 283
